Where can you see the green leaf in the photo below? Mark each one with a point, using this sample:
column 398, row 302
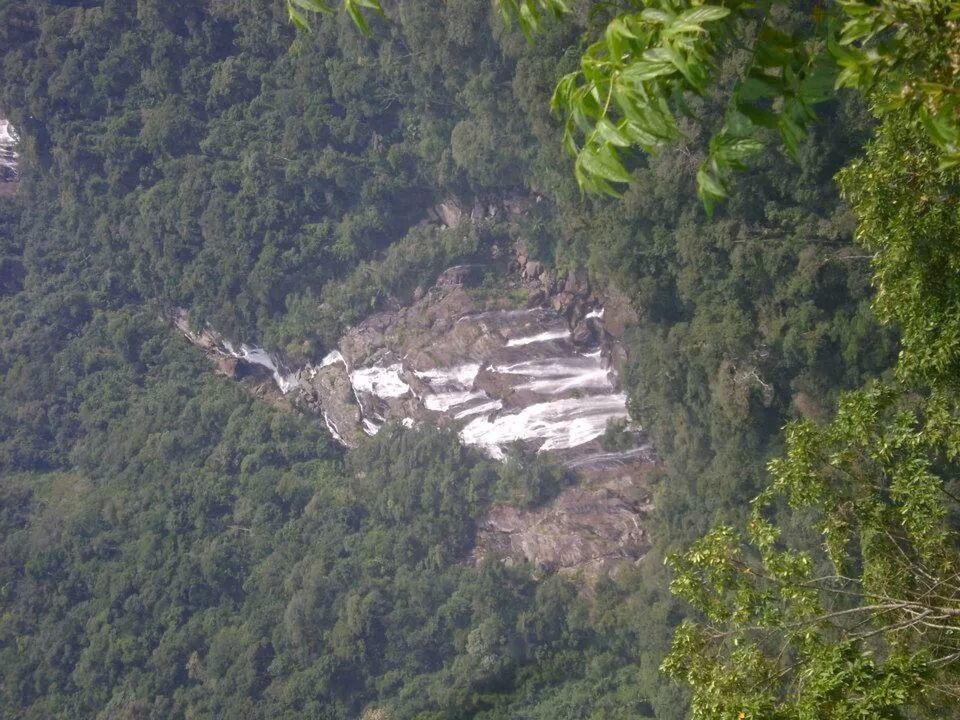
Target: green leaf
column 640, row 71
column 703, row 13
column 316, row 6
column 758, row 115
column 357, row 16
column 710, row 185
column 610, row 133
column 941, row 130
column 759, row 85
column 639, row 136
column 602, row 161
column 297, row 18
column 657, row 17
column 791, row 133
column 563, row 92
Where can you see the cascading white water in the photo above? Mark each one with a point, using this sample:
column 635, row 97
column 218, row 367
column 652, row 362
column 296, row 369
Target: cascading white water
column 498, row 376
column 381, row 382
column 560, row 425
column 214, row 343
column 9, row 140
column 554, row 376
column 285, row 380
column 521, row 378
column 332, row 358
column 545, row 336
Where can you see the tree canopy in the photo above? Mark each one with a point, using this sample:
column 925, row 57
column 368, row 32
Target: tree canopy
column 172, row 547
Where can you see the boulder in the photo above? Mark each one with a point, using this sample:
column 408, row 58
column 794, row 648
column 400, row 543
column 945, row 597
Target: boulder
column 226, row 366
column 340, row 410
column 450, row 213
column 584, row 333
column 562, row 302
column 537, row 298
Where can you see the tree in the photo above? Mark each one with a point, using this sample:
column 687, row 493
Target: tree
column 864, row 618
column 868, row 625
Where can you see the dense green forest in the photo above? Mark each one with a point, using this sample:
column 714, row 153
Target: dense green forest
column 174, row 548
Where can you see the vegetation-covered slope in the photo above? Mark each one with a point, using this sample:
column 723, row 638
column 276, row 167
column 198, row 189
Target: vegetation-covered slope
column 170, row 549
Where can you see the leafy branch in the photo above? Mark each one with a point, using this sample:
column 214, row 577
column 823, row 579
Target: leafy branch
column 901, row 53
column 300, row 11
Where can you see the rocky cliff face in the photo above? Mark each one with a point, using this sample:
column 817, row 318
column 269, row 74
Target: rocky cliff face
column 540, row 374
column 589, row 528
column 527, row 360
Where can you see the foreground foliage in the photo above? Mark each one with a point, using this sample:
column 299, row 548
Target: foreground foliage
column 868, row 624
column 634, row 84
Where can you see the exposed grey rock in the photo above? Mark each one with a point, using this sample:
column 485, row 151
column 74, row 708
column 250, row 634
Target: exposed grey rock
column 450, row 213
column 337, row 403
column 585, row 333
column 227, row 366
column 581, row 528
column 562, row 302
column 544, row 374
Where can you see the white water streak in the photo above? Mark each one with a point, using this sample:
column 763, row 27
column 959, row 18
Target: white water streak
column 459, row 375
column 478, row 409
column 594, row 379
column 8, row 142
column 539, row 337
column 559, row 424
column 382, row 382
column 442, row 402
column 609, row 459
column 258, row 356
column 333, row 430
column 553, row 376
column 331, row 358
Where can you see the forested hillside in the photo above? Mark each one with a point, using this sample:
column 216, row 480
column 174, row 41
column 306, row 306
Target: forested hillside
column 173, row 548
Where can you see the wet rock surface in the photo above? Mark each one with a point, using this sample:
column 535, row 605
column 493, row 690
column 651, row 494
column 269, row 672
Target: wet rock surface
column 542, row 376
column 240, row 362
column 498, row 375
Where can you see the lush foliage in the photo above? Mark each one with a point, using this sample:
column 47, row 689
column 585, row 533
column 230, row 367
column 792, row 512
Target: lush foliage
column 173, row 549
column 866, row 624
column 635, row 83
column 353, row 8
